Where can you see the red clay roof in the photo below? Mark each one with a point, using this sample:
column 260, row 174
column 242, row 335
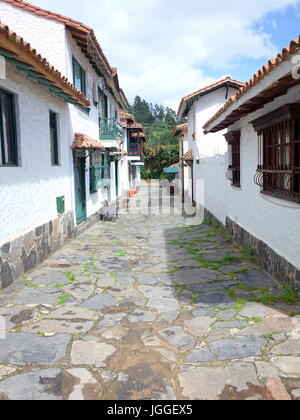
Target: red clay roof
column 206, row 89
column 273, row 63
column 21, row 53
column 70, row 24
column 188, row 156
column 83, row 142
column 179, row 128
column 74, row 26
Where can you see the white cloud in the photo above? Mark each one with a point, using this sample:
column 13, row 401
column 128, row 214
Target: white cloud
column 161, row 47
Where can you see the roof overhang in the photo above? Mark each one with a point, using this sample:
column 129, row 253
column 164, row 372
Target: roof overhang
column 83, row 142
column 187, row 102
column 18, row 52
column 183, row 128
column 272, row 81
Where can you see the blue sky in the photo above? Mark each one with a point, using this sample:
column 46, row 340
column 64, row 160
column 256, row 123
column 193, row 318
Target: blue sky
column 166, row 49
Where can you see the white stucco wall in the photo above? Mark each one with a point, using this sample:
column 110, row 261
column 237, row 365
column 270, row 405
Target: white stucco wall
column 205, row 147
column 28, row 192
column 45, row 35
column 274, row 221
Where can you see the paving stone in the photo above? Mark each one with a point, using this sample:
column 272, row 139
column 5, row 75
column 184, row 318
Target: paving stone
column 89, row 353
column 256, row 279
column 231, row 268
column 164, row 305
column 252, row 309
column 116, row 333
column 231, row 324
column 38, row 386
column 24, row 349
column 177, row 337
column 199, row 326
column 111, row 320
column 80, row 290
column 237, row 348
column 197, row 276
column 227, row 315
column 200, row 356
column 142, row 316
column 290, row 347
column 84, row 386
column 6, row 371
column 265, row 370
column 50, row 326
column 152, row 341
column 276, row 390
column 132, row 303
column 269, row 326
column 168, row 317
column 51, row 279
column 16, row 315
column 146, row 279
column 296, row 394
column 211, row 287
column 204, row 312
column 72, row 312
column 232, row 382
column 38, row 296
column 287, row 364
column 99, row 302
column 219, row 299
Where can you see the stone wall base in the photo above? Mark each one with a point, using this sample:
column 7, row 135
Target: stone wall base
column 273, row 263
column 22, row 254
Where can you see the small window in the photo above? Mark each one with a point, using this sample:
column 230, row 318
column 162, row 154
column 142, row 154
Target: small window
column 8, row 145
column 79, row 77
column 234, row 158
column 54, row 147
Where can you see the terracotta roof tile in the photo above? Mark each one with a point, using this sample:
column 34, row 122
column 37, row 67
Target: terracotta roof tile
column 188, row 156
column 179, row 128
column 273, row 63
column 24, row 53
column 208, row 88
column 83, row 142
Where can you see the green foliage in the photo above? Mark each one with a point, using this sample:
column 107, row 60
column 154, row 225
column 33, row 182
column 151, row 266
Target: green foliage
column 289, row 295
column 157, row 158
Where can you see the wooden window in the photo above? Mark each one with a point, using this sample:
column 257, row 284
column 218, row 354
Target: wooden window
column 54, row 145
column 79, row 77
column 278, row 170
column 8, row 138
column 234, row 157
column 99, row 171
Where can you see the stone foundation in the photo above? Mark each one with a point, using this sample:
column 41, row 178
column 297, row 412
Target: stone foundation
column 273, row 263
column 27, row 251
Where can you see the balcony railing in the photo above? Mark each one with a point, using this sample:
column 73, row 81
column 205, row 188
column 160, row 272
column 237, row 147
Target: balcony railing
column 135, row 149
column 110, row 129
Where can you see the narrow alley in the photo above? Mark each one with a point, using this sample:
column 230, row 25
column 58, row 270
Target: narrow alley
column 146, row 307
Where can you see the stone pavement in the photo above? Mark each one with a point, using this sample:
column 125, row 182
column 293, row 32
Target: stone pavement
column 145, row 307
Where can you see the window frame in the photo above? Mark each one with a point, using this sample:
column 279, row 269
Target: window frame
column 52, row 153
column 13, row 127
column 82, row 88
column 278, row 169
column 233, row 139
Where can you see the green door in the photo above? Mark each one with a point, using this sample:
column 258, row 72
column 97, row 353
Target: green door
column 80, row 191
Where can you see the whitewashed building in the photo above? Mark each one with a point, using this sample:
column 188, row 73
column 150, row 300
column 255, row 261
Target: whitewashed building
column 257, row 179
column 197, row 108
column 63, row 150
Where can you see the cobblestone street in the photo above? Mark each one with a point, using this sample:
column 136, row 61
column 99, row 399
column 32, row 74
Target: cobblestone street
column 145, row 307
